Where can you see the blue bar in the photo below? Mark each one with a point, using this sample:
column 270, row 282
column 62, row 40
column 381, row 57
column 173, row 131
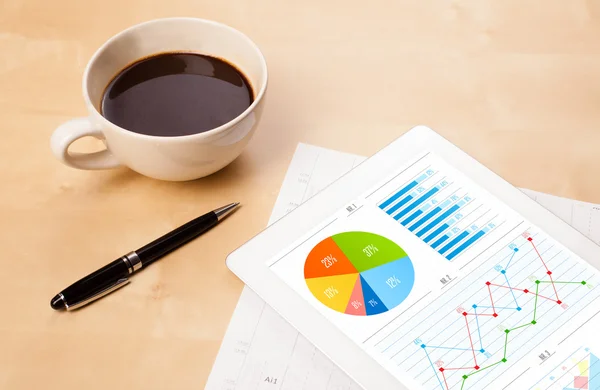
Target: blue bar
column 410, row 219
column 399, row 204
column 438, row 242
column 436, row 232
column 454, row 242
column 427, row 217
column 398, row 194
column 417, row 202
column 465, row 245
column 438, row 220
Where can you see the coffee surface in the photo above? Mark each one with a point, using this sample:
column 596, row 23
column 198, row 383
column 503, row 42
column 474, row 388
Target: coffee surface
column 175, row 94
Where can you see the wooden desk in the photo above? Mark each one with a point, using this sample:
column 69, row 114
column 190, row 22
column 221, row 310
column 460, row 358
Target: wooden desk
column 516, row 84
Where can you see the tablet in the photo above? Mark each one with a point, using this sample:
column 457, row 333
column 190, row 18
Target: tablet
column 422, row 269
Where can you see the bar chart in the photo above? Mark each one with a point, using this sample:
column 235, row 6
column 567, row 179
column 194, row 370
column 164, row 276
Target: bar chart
column 440, row 212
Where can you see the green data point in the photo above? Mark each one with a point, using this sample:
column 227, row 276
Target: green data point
column 533, row 322
column 537, row 282
column 465, row 377
column 503, row 360
column 507, row 330
column 583, row 283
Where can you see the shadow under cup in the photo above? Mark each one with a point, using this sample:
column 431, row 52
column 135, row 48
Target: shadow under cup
column 193, row 155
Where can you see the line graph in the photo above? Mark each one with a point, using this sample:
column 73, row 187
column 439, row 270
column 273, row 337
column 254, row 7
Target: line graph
column 475, row 368
column 514, row 301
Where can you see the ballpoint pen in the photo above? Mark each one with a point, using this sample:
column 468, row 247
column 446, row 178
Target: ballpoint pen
column 115, row 275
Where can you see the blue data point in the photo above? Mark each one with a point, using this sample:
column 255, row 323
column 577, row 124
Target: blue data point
column 516, row 249
column 518, row 309
column 474, row 306
column 422, row 345
column 482, row 350
column 503, row 271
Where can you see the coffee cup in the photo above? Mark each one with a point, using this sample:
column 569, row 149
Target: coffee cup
column 172, row 158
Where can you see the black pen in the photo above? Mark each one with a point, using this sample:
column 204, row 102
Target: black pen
column 115, row 275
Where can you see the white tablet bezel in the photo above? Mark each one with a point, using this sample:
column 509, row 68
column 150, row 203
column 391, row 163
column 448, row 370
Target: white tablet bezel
column 250, row 261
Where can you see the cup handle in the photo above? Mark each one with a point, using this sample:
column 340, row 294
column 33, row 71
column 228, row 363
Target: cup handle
column 69, row 132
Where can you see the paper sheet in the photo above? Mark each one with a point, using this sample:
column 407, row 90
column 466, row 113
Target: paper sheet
column 261, row 350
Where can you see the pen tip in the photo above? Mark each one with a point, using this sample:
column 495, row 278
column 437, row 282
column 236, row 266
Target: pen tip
column 226, row 210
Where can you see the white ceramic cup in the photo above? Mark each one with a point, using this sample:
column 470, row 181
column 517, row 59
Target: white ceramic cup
column 175, row 158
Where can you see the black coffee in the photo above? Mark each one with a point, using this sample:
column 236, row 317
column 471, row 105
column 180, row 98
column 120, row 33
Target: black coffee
column 175, row 94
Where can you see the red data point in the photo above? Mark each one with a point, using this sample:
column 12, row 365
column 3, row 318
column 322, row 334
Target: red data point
column 495, row 315
column 488, row 283
column 525, row 291
column 464, row 313
column 549, row 272
column 559, row 301
column 441, row 369
column 530, row 239
column 477, row 367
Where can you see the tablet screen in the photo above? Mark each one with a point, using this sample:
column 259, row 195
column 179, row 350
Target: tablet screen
column 447, row 287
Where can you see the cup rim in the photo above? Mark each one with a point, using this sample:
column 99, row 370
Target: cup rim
column 205, row 134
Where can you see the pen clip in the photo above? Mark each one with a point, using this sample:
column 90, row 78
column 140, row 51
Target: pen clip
column 105, row 291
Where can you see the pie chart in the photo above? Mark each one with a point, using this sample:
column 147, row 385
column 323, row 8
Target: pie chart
column 359, row 273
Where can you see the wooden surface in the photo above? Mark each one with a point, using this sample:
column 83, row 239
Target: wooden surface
column 514, row 83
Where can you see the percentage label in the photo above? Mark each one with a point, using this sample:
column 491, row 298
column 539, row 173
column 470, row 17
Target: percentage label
column 328, row 261
column 370, row 250
column 393, row 281
column 356, row 304
column 373, row 303
column 331, row 292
